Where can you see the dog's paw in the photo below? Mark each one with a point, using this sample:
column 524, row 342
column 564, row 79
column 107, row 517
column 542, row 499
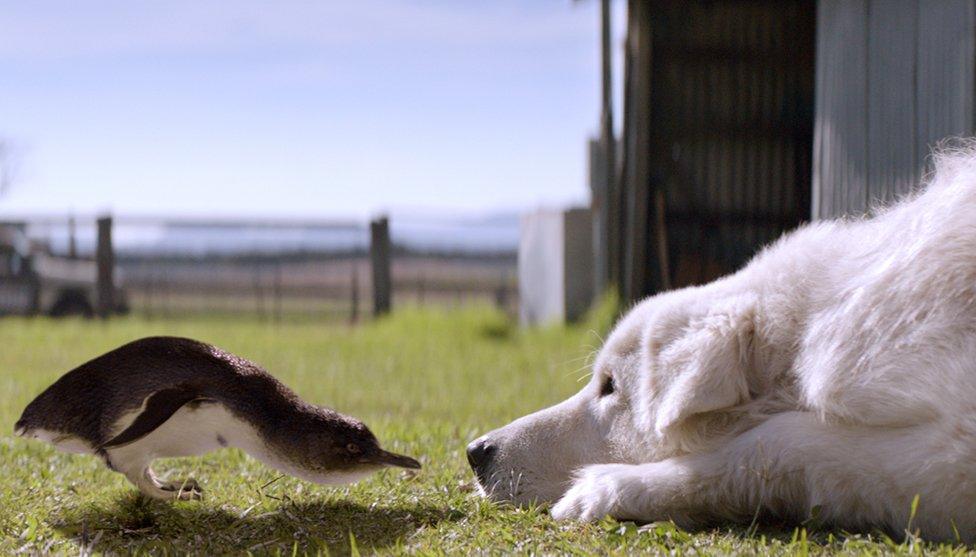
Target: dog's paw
column 595, row 493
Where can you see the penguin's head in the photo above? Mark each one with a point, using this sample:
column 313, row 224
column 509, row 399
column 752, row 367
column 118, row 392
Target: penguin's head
column 343, row 450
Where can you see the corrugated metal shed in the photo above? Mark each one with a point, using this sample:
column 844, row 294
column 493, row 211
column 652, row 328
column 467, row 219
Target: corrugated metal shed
column 742, row 118
column 894, row 77
column 718, row 135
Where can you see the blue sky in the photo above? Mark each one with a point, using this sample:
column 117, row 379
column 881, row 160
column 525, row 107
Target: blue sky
column 314, row 108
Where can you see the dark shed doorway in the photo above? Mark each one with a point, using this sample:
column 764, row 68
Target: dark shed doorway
column 718, row 132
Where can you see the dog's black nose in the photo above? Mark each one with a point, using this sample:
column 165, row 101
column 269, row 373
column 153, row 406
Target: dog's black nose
column 480, row 452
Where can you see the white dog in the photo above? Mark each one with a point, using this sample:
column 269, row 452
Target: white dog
column 834, row 376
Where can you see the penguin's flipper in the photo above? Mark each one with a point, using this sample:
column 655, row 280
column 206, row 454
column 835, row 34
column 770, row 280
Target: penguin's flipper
column 159, row 407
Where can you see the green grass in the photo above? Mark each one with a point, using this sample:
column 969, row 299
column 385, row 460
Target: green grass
column 425, row 382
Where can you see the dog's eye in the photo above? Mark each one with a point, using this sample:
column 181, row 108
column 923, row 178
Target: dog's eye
column 606, row 388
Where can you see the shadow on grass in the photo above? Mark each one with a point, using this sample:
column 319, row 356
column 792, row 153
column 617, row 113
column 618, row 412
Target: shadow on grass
column 136, row 524
column 810, row 533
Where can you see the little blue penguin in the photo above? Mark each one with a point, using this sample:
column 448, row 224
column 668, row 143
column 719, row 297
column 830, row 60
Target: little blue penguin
column 168, row 397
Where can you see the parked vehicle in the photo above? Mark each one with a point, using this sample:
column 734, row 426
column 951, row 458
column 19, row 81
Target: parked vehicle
column 34, row 282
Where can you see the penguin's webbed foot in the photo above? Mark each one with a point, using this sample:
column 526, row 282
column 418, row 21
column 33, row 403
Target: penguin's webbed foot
column 184, row 490
column 151, row 486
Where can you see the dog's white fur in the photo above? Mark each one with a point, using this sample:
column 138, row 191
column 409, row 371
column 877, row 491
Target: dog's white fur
column 835, row 376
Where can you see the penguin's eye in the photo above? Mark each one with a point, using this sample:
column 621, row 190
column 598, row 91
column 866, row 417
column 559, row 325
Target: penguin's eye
column 606, row 387
column 352, row 448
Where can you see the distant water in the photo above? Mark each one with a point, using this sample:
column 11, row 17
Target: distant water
column 498, row 234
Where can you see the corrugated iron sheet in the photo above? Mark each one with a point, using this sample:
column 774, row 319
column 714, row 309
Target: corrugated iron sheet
column 894, row 77
column 731, row 127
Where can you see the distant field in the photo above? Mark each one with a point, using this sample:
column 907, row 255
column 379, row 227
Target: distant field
column 425, row 382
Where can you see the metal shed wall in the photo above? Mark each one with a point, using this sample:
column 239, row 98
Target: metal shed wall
column 894, row 77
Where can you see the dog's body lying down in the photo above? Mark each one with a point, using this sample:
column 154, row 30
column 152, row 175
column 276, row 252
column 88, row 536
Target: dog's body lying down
column 836, row 372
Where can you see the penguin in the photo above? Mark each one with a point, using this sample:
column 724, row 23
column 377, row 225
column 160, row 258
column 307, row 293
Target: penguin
column 162, row 397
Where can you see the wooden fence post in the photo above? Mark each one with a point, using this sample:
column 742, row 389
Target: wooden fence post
column 379, row 253
column 150, row 282
column 105, row 261
column 72, row 238
column 501, row 293
column 258, row 291
column 276, row 289
column 354, row 310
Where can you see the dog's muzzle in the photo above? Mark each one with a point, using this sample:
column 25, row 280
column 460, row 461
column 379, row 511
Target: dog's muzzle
column 481, row 452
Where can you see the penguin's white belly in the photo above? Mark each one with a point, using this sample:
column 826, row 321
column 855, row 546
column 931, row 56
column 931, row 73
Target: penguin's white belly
column 195, row 430
column 192, row 430
column 199, row 429
column 61, row 441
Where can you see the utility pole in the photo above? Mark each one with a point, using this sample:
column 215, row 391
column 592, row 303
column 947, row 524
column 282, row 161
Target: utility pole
column 612, row 225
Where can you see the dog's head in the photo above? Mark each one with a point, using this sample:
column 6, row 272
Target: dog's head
column 662, row 375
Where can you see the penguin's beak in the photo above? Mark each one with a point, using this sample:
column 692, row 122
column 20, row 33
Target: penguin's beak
column 387, row 458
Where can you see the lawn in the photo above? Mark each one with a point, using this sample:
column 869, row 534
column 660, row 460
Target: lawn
column 426, row 382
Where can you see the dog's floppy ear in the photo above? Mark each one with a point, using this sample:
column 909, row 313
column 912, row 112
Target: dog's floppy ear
column 706, row 367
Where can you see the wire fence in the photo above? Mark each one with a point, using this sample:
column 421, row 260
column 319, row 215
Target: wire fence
column 311, row 287
column 288, row 270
